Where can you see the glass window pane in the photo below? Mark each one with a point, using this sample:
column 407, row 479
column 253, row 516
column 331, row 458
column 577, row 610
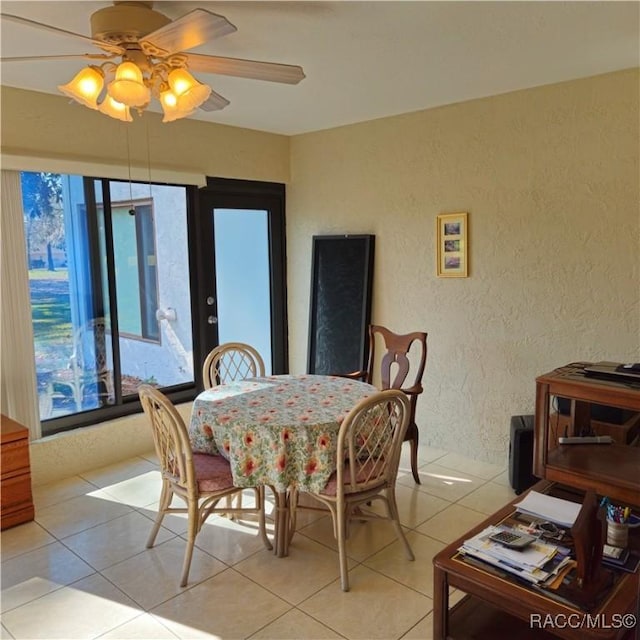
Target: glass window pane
column 151, row 257
column 71, row 353
column 242, row 279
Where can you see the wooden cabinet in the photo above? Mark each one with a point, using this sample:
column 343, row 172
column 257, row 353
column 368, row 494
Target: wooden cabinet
column 610, row 469
column 16, row 502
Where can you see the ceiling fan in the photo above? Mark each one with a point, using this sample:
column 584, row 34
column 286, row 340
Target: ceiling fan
column 151, row 60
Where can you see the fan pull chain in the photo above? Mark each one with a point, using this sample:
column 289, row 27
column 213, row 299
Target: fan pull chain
column 132, row 211
column 149, row 159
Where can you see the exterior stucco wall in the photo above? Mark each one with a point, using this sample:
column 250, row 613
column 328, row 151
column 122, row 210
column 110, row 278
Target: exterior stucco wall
column 550, row 178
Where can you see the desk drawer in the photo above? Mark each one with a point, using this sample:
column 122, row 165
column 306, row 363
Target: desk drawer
column 14, row 457
column 17, row 503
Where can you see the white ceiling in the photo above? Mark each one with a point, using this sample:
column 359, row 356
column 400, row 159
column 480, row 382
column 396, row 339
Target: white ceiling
column 363, row 60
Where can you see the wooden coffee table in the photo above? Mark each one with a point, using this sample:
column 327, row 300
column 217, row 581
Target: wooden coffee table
column 497, row 606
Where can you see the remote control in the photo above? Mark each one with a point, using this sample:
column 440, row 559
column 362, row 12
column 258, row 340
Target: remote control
column 586, row 440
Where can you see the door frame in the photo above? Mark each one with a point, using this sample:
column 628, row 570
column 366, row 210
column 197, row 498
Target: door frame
column 227, row 193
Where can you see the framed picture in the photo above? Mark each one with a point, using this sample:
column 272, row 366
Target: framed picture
column 453, row 245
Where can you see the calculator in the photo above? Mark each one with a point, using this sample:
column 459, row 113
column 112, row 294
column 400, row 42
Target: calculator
column 512, row 539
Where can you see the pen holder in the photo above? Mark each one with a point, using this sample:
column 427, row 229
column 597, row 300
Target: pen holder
column 617, row 534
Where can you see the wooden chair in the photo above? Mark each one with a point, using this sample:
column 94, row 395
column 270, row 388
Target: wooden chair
column 231, row 361
column 395, row 368
column 369, row 443
column 201, row 480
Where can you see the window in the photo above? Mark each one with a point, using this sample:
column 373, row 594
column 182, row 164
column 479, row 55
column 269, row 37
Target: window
column 126, row 287
column 109, row 273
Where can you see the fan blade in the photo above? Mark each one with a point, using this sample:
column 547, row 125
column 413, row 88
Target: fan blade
column 73, row 56
column 214, row 102
column 111, row 48
column 270, row 71
column 189, row 31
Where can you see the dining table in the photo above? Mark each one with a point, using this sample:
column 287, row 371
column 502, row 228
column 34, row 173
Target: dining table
column 279, row 431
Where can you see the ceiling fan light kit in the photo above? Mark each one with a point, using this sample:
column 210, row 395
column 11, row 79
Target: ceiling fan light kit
column 178, row 92
column 152, row 61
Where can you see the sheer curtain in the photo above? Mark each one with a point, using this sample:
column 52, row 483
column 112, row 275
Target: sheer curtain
column 18, row 389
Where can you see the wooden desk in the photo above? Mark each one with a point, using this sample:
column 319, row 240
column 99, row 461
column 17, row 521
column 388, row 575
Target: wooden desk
column 609, row 469
column 15, row 482
column 500, row 607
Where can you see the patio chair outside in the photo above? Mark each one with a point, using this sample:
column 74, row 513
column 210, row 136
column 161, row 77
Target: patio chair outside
column 89, row 364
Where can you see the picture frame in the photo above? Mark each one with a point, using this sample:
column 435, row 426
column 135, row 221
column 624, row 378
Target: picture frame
column 452, row 240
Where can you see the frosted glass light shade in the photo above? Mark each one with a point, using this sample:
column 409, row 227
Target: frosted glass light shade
column 115, row 109
column 169, row 103
column 85, row 87
column 128, row 87
column 189, row 92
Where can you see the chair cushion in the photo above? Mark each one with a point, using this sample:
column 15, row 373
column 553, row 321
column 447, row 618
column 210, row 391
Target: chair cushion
column 213, row 472
column 331, row 488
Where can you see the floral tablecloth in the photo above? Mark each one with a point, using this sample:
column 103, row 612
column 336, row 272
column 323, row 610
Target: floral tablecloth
column 277, row 430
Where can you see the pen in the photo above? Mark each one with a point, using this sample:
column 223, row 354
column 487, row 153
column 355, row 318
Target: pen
column 627, row 511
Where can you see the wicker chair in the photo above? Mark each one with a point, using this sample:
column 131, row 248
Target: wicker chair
column 200, row 480
column 369, row 442
column 231, row 361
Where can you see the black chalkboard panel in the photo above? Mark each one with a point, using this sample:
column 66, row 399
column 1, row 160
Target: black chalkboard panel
column 340, row 310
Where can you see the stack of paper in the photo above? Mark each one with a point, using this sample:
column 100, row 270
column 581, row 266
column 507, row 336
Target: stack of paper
column 536, row 563
column 539, row 505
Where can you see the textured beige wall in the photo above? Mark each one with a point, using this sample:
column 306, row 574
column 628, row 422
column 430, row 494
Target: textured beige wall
column 550, row 178
column 42, row 125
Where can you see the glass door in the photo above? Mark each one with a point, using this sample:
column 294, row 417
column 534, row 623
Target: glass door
column 242, row 268
column 241, row 249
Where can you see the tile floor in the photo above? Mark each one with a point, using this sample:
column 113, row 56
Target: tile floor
column 81, row 569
